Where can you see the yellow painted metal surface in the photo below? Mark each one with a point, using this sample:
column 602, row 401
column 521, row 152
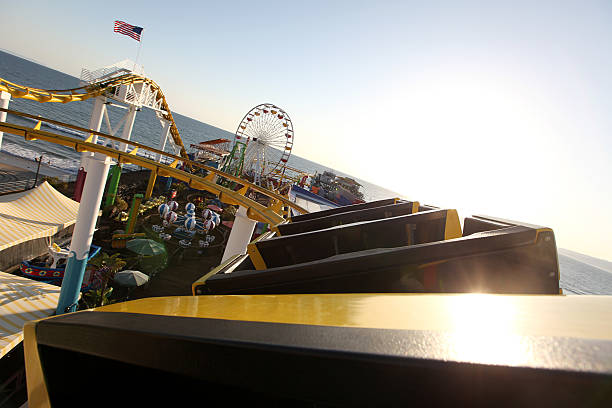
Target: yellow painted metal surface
column 37, row 388
column 256, row 258
column 539, row 231
column 91, row 91
column 274, row 228
column 22, row 131
column 255, row 210
column 453, row 226
column 216, row 270
column 253, row 251
column 150, row 184
column 476, row 316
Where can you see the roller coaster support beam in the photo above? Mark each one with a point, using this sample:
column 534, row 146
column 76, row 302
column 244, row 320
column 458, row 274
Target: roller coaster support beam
column 164, row 137
column 95, row 122
column 255, row 210
column 240, row 236
column 97, row 169
column 127, row 126
column 5, row 97
column 151, row 184
column 111, row 192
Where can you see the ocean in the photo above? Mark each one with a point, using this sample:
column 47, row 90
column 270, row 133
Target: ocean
column 146, row 126
column 580, row 274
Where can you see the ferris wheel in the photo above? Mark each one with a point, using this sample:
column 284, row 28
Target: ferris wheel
column 266, row 131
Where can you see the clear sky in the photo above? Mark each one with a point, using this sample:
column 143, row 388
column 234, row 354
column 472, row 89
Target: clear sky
column 498, row 108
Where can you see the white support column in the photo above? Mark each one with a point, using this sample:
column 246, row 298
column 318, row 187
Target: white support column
column 97, row 169
column 127, row 126
column 164, row 137
column 240, row 236
column 5, row 97
column 177, row 150
column 95, row 121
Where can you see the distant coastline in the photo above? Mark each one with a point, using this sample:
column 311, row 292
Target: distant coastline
column 601, row 264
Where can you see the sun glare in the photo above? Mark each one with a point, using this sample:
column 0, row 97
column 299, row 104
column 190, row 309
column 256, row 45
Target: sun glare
column 485, row 331
column 457, row 136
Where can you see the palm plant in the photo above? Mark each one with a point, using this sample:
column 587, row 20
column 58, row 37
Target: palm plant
column 106, row 267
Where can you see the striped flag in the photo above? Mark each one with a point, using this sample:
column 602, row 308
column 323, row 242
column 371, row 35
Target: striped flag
column 122, row 27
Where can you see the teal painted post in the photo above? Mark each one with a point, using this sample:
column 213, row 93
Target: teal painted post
column 97, row 171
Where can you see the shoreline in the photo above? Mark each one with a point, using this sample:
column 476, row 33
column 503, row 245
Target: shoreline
column 13, row 163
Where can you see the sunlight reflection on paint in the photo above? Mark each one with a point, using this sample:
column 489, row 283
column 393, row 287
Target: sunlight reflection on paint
column 484, row 331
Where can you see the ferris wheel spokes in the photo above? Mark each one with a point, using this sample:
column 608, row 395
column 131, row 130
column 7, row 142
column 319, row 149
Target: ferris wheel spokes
column 267, row 131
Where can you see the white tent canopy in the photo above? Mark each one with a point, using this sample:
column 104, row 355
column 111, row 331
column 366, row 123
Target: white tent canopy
column 40, row 212
column 22, row 300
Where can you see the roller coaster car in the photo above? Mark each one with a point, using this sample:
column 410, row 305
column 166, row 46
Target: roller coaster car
column 346, row 208
column 424, row 251
column 403, row 230
column 354, row 213
column 329, row 350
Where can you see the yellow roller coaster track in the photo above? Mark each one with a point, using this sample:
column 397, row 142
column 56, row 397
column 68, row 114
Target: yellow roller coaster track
column 90, row 91
column 270, row 214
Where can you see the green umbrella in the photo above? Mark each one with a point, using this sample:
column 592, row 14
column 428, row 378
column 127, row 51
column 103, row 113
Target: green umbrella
column 145, row 247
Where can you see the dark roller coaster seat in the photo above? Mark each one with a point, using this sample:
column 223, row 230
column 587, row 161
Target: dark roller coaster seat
column 509, row 258
column 349, row 217
column 343, row 209
column 418, row 228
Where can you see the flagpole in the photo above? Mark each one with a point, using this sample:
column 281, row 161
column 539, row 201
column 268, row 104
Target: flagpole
column 138, row 52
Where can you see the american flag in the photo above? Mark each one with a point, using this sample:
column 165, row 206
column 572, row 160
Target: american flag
column 122, row 27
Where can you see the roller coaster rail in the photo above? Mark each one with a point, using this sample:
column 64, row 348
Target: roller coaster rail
column 103, row 87
column 135, row 90
column 271, row 214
